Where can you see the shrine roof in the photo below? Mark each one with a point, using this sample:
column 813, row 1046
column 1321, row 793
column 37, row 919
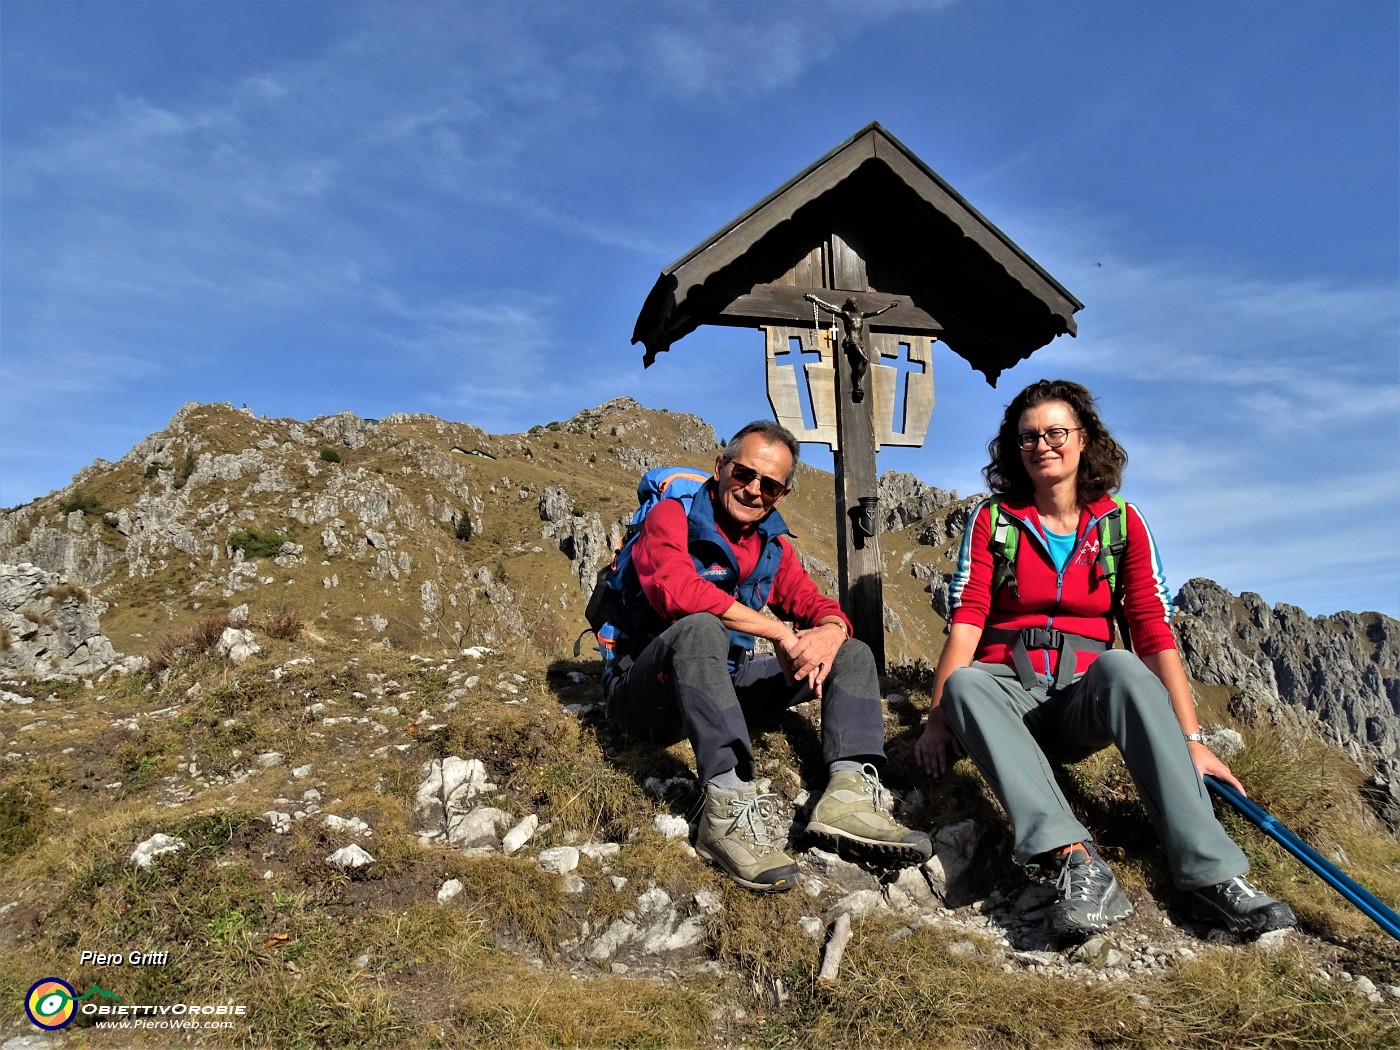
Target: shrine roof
column 873, row 220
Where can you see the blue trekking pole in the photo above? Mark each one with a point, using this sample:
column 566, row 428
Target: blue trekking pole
column 1362, row 898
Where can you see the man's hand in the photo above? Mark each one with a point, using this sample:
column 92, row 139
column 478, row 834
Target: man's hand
column 808, row 655
column 937, row 746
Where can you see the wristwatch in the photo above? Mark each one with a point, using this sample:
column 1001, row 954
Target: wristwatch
column 1195, row 738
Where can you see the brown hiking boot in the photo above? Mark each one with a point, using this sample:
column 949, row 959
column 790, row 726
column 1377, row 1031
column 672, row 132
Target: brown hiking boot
column 852, row 818
column 736, row 836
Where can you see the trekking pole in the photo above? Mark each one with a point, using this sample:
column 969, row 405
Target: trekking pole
column 1362, row 898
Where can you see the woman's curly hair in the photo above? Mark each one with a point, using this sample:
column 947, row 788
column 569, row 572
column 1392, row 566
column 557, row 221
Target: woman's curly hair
column 1100, row 465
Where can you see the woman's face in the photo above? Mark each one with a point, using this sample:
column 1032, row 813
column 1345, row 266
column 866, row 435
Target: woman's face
column 1044, row 464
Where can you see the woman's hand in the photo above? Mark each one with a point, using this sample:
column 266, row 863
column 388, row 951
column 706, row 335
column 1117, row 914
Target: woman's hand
column 1166, row 665
column 1210, row 764
column 936, row 746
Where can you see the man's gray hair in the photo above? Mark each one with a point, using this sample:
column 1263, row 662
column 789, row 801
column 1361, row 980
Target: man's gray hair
column 773, row 434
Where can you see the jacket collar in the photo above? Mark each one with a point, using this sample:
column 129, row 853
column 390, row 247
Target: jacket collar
column 1026, row 512
column 702, row 511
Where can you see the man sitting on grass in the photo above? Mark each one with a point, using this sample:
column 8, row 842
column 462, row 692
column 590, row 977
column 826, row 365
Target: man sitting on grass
column 693, row 593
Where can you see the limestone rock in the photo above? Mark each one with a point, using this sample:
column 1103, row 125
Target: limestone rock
column 443, row 800
column 1336, row 677
column 238, row 645
column 904, row 499
column 522, row 833
column 51, row 626
column 348, row 858
column 157, row 845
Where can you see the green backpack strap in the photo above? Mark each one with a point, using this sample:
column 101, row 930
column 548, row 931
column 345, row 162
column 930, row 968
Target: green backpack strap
column 1113, row 542
column 1006, row 534
column 1113, row 545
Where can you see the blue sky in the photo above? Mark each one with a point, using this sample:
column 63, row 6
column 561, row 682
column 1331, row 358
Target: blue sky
column 458, row 208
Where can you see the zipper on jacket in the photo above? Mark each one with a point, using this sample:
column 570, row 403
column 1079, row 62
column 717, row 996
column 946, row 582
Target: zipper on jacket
column 1060, row 581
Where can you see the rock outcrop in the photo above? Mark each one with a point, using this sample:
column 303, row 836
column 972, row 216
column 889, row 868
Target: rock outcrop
column 49, row 626
column 904, row 499
column 1336, row 677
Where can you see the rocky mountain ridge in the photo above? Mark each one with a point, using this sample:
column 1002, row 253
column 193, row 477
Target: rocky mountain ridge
column 430, row 534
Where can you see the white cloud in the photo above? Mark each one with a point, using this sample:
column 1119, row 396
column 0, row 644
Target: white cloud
column 707, row 52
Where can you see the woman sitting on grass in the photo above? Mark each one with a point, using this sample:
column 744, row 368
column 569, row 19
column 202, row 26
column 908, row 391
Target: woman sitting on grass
column 1026, row 676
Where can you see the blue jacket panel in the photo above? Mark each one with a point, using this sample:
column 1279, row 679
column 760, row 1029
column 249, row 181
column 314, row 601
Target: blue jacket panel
column 714, row 561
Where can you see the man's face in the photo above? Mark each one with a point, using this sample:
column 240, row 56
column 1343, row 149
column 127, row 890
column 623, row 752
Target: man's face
column 741, row 482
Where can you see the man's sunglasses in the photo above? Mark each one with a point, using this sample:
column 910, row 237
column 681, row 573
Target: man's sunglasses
column 770, row 487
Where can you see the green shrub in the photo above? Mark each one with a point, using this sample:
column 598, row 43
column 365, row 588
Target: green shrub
column 152, row 469
column 185, row 469
column 83, row 501
column 464, row 527
column 255, row 544
column 330, row 455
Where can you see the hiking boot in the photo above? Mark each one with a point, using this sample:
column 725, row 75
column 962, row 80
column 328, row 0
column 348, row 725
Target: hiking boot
column 1241, row 907
column 852, row 818
column 735, row 835
column 1088, row 900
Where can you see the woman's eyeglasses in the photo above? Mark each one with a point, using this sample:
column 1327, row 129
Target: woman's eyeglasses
column 1054, row 437
column 770, row 487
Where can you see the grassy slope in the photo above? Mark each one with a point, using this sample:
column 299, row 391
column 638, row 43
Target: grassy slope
column 328, row 959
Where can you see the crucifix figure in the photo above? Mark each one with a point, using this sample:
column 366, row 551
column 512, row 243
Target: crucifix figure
column 852, row 337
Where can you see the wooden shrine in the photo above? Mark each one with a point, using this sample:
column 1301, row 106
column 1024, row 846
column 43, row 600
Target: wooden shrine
column 853, row 268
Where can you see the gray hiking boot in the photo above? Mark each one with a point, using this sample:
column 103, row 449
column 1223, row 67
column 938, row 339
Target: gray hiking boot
column 1240, row 907
column 852, row 818
column 1089, row 899
column 736, row 836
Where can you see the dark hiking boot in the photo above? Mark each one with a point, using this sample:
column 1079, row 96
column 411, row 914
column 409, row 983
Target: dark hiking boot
column 1089, row 900
column 852, row 819
column 1239, row 906
column 736, row 835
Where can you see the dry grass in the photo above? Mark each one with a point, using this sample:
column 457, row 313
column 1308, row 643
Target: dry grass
column 66, row 591
column 933, row 990
column 188, row 642
column 284, row 624
column 335, row 960
column 39, row 619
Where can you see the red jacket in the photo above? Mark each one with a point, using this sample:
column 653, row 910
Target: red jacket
column 674, row 589
column 1076, row 601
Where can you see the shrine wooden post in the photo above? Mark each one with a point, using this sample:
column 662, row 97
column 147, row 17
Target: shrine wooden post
column 865, row 255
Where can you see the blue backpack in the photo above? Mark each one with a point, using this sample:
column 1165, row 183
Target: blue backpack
column 605, row 606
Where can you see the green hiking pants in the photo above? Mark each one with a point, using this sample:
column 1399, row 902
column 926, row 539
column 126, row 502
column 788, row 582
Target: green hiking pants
column 1014, row 734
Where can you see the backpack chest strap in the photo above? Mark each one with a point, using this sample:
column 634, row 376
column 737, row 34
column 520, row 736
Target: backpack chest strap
column 1066, row 645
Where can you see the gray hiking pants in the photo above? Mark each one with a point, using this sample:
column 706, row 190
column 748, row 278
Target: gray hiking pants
column 1013, row 734
column 679, row 687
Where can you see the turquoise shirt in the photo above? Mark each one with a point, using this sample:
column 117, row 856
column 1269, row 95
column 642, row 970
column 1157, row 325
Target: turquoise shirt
column 1061, row 547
